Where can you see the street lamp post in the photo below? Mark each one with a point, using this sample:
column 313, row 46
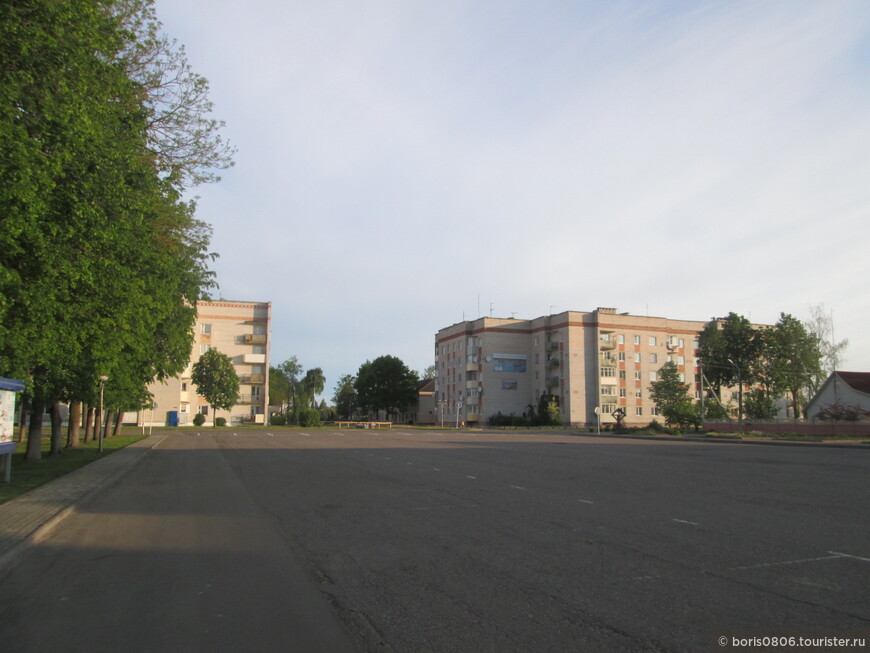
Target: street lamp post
column 103, row 379
column 739, row 396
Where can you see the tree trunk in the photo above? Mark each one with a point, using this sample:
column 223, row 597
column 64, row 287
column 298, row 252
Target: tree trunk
column 56, row 426
column 110, row 414
column 75, row 420
column 119, row 417
column 98, row 424
column 89, row 423
column 22, row 420
column 34, row 432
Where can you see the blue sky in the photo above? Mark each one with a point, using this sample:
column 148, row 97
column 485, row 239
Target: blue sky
column 404, row 165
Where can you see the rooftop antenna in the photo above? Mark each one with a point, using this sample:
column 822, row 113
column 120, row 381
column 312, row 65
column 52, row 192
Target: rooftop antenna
column 490, row 308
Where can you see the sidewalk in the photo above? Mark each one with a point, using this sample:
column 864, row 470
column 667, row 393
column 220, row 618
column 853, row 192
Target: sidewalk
column 30, row 517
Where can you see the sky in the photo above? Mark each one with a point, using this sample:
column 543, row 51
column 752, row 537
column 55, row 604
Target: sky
column 405, row 165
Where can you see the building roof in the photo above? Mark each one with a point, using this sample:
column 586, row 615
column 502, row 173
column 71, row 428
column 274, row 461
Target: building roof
column 858, row 381
column 426, row 385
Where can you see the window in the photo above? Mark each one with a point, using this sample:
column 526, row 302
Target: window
column 620, row 339
column 638, row 393
column 184, row 387
column 637, row 375
column 637, row 340
column 203, row 410
column 653, row 358
column 608, row 372
column 621, row 355
column 638, row 410
column 652, row 341
column 622, row 392
column 204, row 348
column 637, row 357
column 622, row 374
column 653, row 376
column 205, row 329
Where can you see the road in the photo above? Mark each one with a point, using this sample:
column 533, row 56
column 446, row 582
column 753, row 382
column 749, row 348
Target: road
column 410, row 540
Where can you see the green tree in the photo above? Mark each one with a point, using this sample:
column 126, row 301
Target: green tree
column 671, row 396
column 279, row 389
column 385, row 384
column 100, row 260
column 795, row 358
column 728, row 350
column 820, row 328
column 216, row 380
column 344, row 397
column 311, row 385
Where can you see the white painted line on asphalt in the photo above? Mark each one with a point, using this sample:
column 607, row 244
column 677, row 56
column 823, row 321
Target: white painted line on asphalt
column 436, row 469
column 683, row 521
column 236, row 434
column 474, row 477
column 789, row 562
column 518, row 487
column 307, row 435
column 271, row 435
column 462, row 505
column 584, row 501
column 846, row 555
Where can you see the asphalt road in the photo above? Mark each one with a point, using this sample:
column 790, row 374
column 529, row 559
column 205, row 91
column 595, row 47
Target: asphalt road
column 442, row 541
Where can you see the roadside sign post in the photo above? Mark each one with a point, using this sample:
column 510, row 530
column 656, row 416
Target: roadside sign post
column 8, row 388
column 458, row 408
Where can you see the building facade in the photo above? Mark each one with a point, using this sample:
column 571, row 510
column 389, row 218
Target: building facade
column 602, row 360
column 242, row 331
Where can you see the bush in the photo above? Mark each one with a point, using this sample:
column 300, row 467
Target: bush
column 308, row 417
column 198, row 419
column 278, row 420
column 220, row 421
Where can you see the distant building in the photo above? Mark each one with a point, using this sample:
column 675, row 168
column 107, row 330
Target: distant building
column 241, row 330
column 425, row 402
column 845, row 389
column 600, row 359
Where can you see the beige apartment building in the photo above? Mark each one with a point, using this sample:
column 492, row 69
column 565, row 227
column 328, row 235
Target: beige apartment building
column 602, row 360
column 241, row 330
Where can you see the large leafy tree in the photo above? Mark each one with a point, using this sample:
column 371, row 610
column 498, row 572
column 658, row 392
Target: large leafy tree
column 728, row 350
column 385, row 384
column 100, row 260
column 344, row 396
column 794, row 356
column 671, row 396
column 216, row 380
column 311, row 385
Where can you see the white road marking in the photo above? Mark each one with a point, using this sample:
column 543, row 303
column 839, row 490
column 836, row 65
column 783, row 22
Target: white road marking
column 789, row 562
column 474, row 477
column 584, row 501
column 683, row 521
column 846, row 555
column 518, row 487
column 436, row 469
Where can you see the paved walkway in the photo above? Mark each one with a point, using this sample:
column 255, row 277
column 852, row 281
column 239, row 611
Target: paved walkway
column 30, row 517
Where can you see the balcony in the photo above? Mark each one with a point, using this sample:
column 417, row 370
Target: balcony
column 607, row 345
column 250, row 399
column 255, row 339
column 553, row 363
column 472, row 367
column 253, row 379
column 552, row 381
column 552, row 346
column 254, row 359
column 474, row 384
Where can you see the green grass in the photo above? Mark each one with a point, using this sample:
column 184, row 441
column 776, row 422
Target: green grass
column 27, row 475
